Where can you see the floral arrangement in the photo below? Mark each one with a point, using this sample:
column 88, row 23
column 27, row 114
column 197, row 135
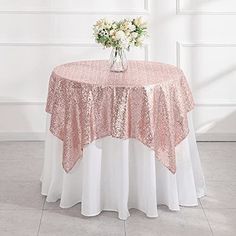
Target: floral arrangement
column 120, row 34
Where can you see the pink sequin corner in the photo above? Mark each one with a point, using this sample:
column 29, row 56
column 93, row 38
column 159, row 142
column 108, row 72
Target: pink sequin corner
column 149, row 102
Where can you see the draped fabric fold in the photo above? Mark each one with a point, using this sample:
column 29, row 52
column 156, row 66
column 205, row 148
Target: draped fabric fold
column 149, row 102
column 117, row 175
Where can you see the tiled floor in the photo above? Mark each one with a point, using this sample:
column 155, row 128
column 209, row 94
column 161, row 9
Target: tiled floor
column 24, row 212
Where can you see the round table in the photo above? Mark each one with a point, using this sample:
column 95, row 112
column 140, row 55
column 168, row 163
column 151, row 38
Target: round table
column 117, row 141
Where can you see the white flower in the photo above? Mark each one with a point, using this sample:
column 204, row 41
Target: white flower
column 139, row 22
column 114, row 26
column 125, row 43
column 132, row 27
column 127, row 33
column 139, row 41
column 112, row 32
column 120, row 35
column 134, row 35
column 103, row 23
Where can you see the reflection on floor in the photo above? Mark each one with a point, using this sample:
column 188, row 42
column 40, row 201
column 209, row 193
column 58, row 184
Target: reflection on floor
column 23, row 211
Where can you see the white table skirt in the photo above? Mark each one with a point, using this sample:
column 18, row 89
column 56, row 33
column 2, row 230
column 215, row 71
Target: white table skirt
column 116, row 175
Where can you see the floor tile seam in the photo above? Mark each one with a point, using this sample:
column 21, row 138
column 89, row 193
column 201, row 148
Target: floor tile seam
column 207, row 221
column 41, row 218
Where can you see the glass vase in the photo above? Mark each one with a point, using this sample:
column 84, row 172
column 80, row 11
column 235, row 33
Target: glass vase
column 118, row 61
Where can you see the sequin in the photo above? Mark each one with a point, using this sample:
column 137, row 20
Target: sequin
column 148, row 102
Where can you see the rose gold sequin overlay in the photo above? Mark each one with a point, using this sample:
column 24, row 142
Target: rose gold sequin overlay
column 148, row 102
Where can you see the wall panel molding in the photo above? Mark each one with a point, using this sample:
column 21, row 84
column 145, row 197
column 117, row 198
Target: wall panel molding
column 216, row 103
column 216, row 137
column 20, row 102
column 181, row 11
column 206, row 102
column 22, row 136
column 144, row 11
column 47, row 44
column 107, row 13
column 180, row 44
column 146, row 47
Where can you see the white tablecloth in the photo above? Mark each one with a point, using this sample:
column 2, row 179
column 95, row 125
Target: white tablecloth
column 116, row 175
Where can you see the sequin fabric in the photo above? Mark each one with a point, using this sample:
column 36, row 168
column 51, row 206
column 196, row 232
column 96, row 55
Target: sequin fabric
column 148, row 102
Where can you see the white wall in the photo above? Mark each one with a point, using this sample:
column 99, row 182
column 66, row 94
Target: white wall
column 37, row 35
column 199, row 37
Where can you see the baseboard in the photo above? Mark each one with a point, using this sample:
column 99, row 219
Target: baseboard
column 217, row 137
column 40, row 136
column 22, row 136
